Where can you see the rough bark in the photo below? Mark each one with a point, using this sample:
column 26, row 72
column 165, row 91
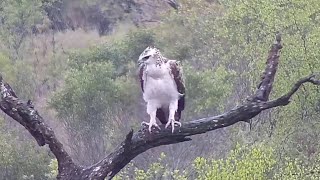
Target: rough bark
column 137, row 143
column 267, row 78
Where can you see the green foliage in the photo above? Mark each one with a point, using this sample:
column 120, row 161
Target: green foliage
column 242, row 163
column 207, row 88
column 156, row 170
column 6, row 68
column 17, row 19
column 190, row 34
column 18, row 157
column 293, row 168
column 90, row 93
column 19, row 75
column 120, row 52
column 248, row 30
column 53, row 166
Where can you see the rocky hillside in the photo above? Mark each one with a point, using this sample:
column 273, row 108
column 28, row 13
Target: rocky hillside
column 101, row 15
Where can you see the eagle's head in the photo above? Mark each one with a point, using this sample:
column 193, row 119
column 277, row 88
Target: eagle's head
column 149, row 55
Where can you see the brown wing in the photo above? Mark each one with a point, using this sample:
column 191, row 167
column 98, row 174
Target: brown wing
column 177, row 73
column 141, row 71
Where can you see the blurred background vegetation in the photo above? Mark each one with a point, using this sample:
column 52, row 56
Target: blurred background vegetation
column 76, row 59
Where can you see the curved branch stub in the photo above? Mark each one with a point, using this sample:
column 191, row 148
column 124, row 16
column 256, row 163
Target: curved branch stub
column 128, row 141
column 314, row 81
column 267, row 78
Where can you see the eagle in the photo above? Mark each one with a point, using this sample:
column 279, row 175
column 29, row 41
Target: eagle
column 163, row 88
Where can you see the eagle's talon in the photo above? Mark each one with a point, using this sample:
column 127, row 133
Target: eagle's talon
column 150, row 125
column 177, row 122
column 144, row 123
column 168, row 123
column 173, row 123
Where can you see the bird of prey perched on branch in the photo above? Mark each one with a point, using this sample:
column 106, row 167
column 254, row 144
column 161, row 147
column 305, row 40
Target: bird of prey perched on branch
column 163, row 88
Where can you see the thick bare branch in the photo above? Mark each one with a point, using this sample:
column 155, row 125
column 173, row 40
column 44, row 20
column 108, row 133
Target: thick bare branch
column 267, row 78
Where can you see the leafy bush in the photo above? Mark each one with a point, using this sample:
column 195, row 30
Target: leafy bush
column 19, row 159
column 241, row 163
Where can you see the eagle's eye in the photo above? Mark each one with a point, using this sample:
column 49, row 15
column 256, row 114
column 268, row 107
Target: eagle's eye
column 146, row 58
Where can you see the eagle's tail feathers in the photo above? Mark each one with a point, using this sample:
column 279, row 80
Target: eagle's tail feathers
column 161, row 116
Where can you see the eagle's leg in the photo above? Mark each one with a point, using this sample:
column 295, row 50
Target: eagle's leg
column 152, row 111
column 172, row 110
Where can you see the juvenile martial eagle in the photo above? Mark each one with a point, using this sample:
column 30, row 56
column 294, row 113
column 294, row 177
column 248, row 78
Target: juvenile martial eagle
column 163, row 88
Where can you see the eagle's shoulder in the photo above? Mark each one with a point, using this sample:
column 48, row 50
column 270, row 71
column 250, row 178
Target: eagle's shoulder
column 176, row 71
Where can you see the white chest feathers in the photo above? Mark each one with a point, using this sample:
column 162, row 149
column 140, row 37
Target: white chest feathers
column 159, row 85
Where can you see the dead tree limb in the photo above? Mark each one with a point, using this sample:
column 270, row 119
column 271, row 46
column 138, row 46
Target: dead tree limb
column 267, row 78
column 137, row 143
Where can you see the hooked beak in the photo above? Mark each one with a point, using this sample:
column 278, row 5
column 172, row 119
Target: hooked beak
column 140, row 61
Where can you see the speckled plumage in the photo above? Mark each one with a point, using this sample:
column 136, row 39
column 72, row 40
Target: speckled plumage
column 163, row 87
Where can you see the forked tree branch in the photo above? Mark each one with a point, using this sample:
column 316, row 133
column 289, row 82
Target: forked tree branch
column 137, row 143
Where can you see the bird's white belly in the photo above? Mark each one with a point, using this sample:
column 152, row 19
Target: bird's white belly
column 160, row 91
